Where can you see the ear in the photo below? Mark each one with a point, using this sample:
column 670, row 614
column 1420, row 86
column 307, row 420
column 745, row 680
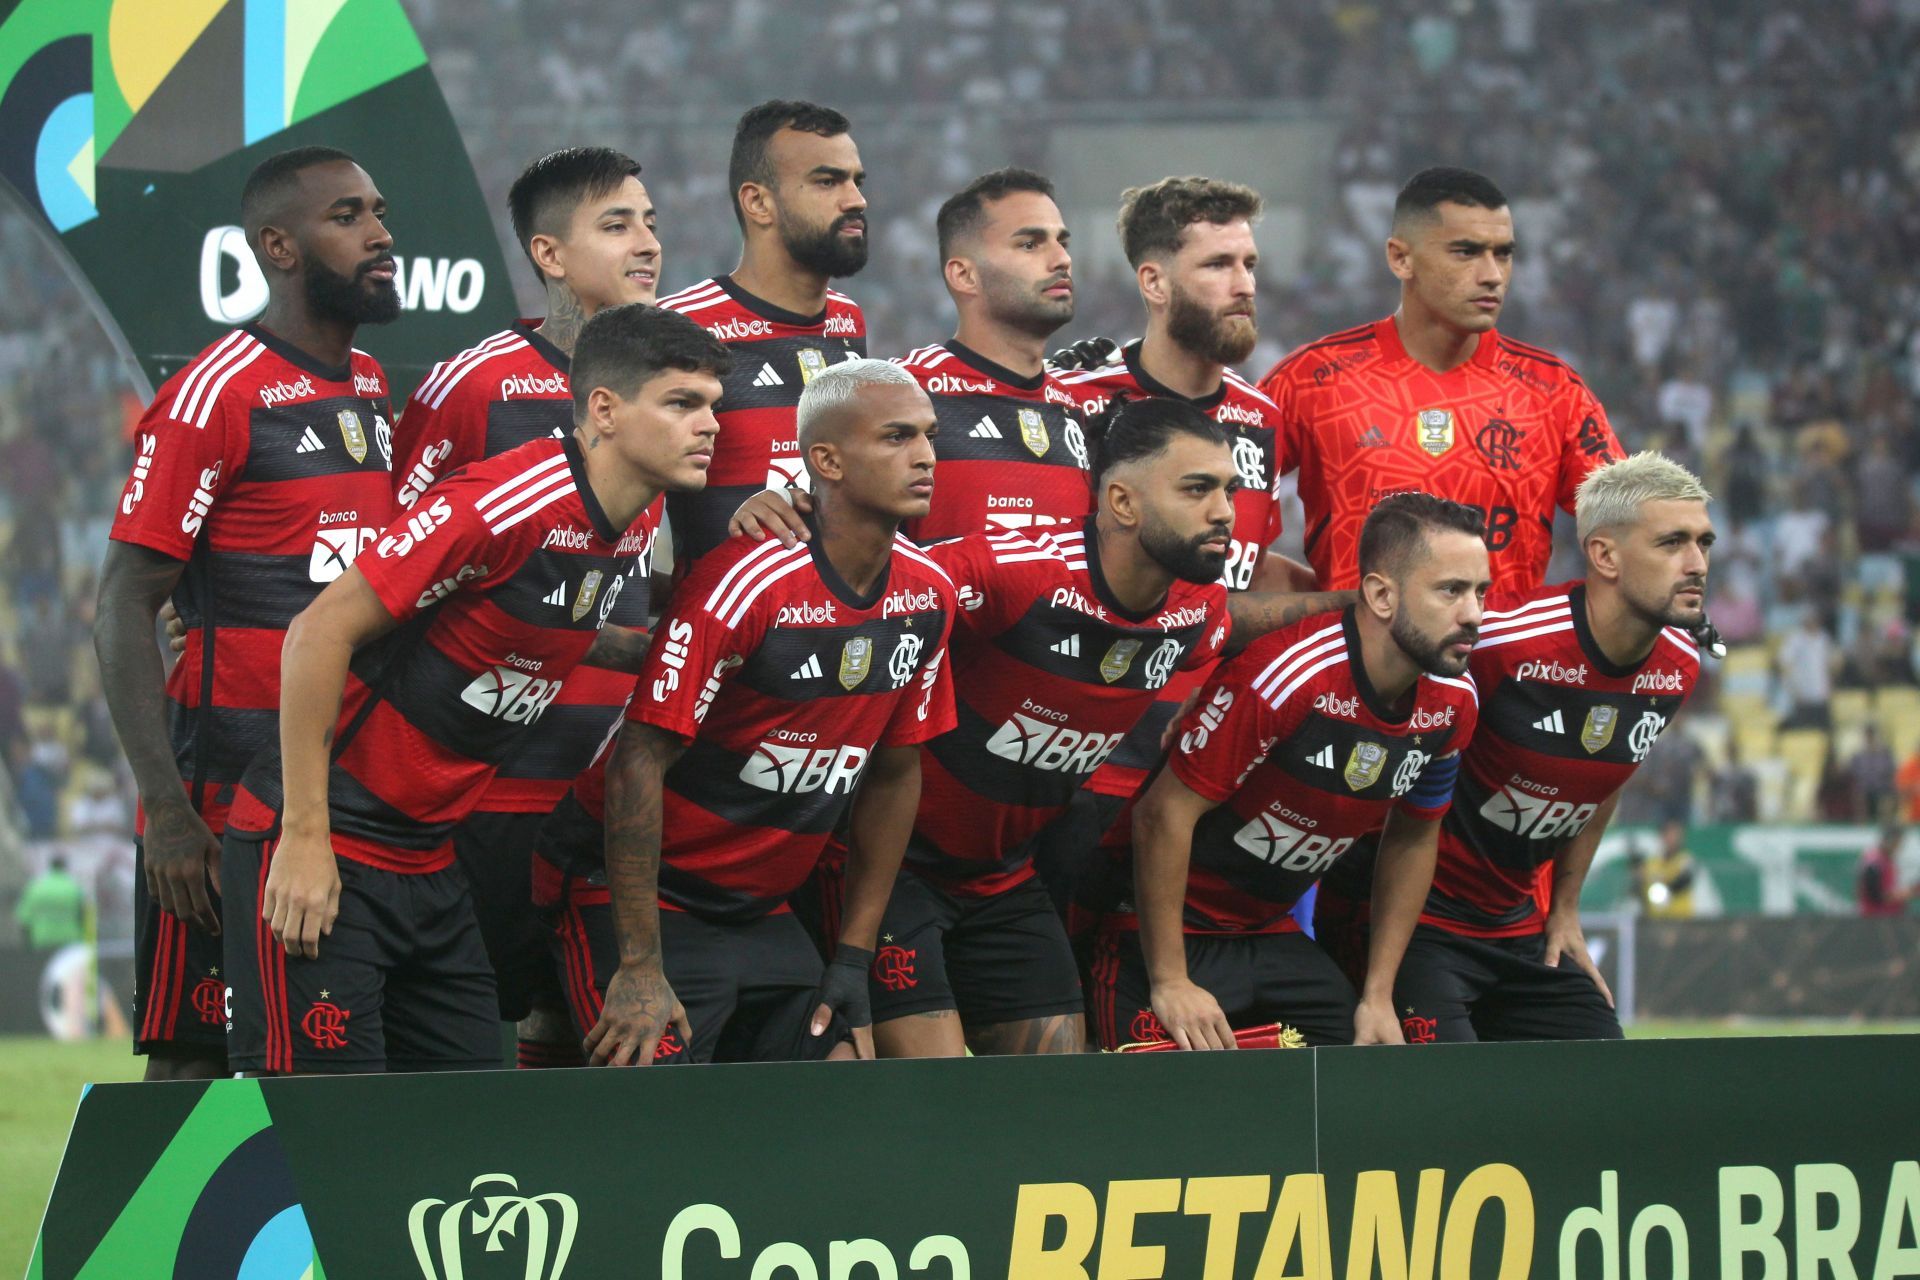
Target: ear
column 823, row 458
column 1153, row 283
column 1603, row 556
column 962, row 277
column 277, row 249
column 1380, row 594
column 756, row 204
column 548, row 254
column 602, row 405
column 1400, row 257
column 1123, row 504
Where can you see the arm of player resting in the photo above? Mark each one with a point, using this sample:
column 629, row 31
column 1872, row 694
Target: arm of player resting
column 619, row 649
column 1254, row 613
column 1163, row 824
column 181, row 853
column 877, row 832
column 302, row 894
column 774, row 511
column 639, row 1003
column 1278, row 573
column 1570, row 866
column 1402, row 876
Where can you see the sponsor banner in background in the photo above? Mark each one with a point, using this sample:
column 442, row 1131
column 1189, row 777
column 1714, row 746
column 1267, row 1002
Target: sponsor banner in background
column 127, row 128
column 1703, row 1158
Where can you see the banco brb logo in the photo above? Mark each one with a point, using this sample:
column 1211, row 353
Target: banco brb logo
column 494, row 1208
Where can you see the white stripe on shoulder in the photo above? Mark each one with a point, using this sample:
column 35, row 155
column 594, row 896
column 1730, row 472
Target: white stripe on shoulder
column 480, row 356
column 531, row 473
column 913, row 553
column 1498, row 626
column 1074, row 377
column 1289, row 660
column 1682, row 640
column 1460, row 682
column 1508, row 637
column 535, row 508
column 1276, row 701
column 447, row 367
column 208, row 366
column 1561, row 601
column 759, row 587
column 742, row 566
column 750, row 574
column 692, row 305
column 533, row 494
column 218, row 386
column 692, row 293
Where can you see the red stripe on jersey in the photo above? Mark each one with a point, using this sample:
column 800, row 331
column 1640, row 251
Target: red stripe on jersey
column 497, row 395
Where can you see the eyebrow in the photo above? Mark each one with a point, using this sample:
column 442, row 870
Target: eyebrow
column 1037, row 231
column 1480, row 246
column 620, row 211
column 835, row 172
column 354, row 203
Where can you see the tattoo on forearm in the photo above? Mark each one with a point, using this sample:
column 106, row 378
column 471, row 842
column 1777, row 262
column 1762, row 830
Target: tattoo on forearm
column 620, row 649
column 634, row 802
column 1062, row 1033
column 1256, row 613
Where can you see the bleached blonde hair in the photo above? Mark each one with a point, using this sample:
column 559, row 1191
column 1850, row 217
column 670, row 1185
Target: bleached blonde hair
column 1614, row 493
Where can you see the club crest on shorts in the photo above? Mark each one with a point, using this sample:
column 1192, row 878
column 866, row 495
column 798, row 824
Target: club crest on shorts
column 1433, row 429
column 1118, row 659
column 1364, row 764
column 1033, row 432
column 1597, row 732
column 589, row 589
column 353, row 434
column 812, row 363
column 856, row 659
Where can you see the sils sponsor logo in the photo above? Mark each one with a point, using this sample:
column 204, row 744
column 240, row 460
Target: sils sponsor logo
column 1287, row 847
column 1535, row 817
column 711, row 689
column 806, row 614
column 518, row 697
column 1551, row 672
column 567, row 540
column 793, row 770
column 1208, row 722
column 1053, row 747
column 1659, row 682
column 526, row 385
column 946, row 384
column 493, row 1218
column 402, row 538
column 424, row 472
column 286, row 392
column 840, row 325
column 1424, row 719
column 910, row 602
column 201, row 503
column 736, row 330
column 447, row 586
column 673, row 656
column 1335, row 705
column 1245, row 415
column 142, row 464
column 336, row 548
column 366, row 386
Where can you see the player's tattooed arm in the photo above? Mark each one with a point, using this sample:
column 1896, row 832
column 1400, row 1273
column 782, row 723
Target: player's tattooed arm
column 181, row 853
column 1564, row 936
column 1403, row 873
column 1282, row 573
column 639, row 1003
column 1163, row 825
column 619, row 649
column 1061, row 1033
column 1255, row 613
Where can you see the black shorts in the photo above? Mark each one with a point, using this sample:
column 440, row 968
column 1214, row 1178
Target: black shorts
column 1452, row 988
column 1258, row 978
column 1342, row 925
column 179, row 997
column 496, row 852
column 749, row 989
column 401, row 984
column 1079, row 857
column 999, row 959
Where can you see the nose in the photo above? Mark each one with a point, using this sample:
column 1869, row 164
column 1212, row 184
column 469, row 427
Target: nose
column 1062, row 260
column 853, row 201
column 922, row 455
column 1220, row 509
column 1493, row 269
column 1694, row 562
column 647, row 243
column 381, row 238
column 1244, row 283
column 709, row 426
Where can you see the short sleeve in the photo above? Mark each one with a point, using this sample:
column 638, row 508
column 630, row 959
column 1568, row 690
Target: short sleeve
column 179, row 471
column 1229, row 730
column 431, row 441
column 995, row 576
column 1431, row 794
column 694, row 653
column 1587, row 440
column 440, row 547
column 1287, row 442
column 927, row 710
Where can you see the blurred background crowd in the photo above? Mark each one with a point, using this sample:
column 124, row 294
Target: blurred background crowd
column 1719, row 227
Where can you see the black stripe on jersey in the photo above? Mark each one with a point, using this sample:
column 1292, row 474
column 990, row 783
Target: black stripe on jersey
column 280, row 448
column 1542, row 357
column 473, row 715
column 355, row 810
column 256, row 591
column 925, row 857
column 512, row 423
column 1028, row 761
column 1068, row 643
column 689, row 892
column 222, row 740
column 986, row 428
column 1313, row 535
column 562, row 744
column 1467, row 913
column 1140, row 749
column 545, row 591
column 797, row 664
column 770, row 373
column 1576, row 724
column 1324, row 751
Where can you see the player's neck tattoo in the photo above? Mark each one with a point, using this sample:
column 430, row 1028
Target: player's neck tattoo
column 564, row 319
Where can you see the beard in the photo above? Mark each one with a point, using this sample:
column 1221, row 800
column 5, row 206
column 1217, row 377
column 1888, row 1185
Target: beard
column 352, row 299
column 1431, row 655
column 1215, row 338
column 1667, row 611
column 824, row 251
column 1187, row 559
column 1020, row 306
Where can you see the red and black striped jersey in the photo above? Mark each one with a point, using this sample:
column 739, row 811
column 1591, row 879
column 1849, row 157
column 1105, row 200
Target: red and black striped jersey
column 507, row 571
column 784, row 681
column 1511, row 432
column 775, row 354
column 266, row 471
column 1563, row 729
column 1294, row 745
column 498, row 395
column 1012, row 453
column 1050, row 673
column 1255, row 423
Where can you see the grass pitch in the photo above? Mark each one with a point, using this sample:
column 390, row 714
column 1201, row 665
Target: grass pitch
column 40, row 1083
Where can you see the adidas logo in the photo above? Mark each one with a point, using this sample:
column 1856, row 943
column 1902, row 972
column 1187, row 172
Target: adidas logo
column 1551, row 724
column 310, row 442
column 1323, row 757
column 1373, row 439
column 1070, row 647
column 985, row 430
column 768, row 378
column 809, row 670
column 556, row 596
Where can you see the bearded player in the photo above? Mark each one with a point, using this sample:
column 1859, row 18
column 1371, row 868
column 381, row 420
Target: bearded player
column 1579, row 679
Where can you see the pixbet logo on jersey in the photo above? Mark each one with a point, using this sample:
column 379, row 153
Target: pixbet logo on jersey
column 525, row 384
column 517, row 697
column 286, row 392
column 1552, row 672
column 793, row 770
column 1287, row 847
column 734, row 330
column 1054, row 747
column 946, row 384
column 1659, row 682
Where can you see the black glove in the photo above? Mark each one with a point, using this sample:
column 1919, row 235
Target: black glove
column 1088, row 353
column 1707, row 636
column 843, row 987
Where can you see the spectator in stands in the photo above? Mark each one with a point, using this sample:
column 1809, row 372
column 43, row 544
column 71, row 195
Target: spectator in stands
column 1734, row 793
column 1871, row 773
column 35, row 791
column 1666, row 878
column 1749, row 477
column 1806, row 661
column 1907, row 782
column 96, row 808
column 1878, row 881
column 53, row 910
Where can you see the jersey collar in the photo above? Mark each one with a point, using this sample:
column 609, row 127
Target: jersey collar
column 538, row 341
column 1577, row 602
column 299, row 359
column 1363, row 685
column 766, row 310
column 1154, row 387
column 968, row 356
column 1387, row 333
column 596, row 514
column 837, row 584
column 1102, row 592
